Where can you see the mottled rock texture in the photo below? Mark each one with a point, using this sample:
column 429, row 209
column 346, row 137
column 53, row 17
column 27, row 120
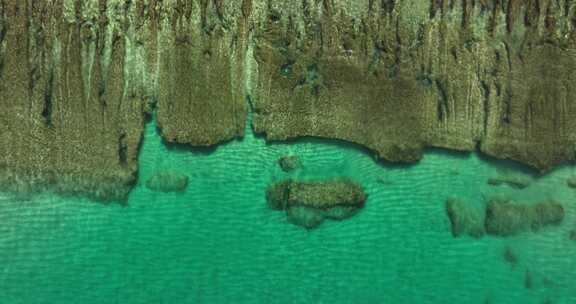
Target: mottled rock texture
column 202, row 49
column 77, row 77
column 514, row 181
column 72, row 112
column 464, row 218
column 290, row 163
column 571, row 182
column 307, row 204
column 308, row 218
column 167, row 181
column 316, row 194
column 506, row 218
column 510, row 256
column 398, row 76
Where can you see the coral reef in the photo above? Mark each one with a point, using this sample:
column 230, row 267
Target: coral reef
column 167, row 181
column 306, row 217
column 510, row 257
column 571, row 182
column 290, row 163
column 398, row 76
column 465, row 219
column 394, row 76
column 514, row 181
column 506, row 218
column 307, row 204
column 528, row 280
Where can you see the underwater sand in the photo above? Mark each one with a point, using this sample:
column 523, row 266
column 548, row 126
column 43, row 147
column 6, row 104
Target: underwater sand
column 219, row 243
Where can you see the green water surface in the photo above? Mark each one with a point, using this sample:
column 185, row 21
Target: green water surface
column 219, row 243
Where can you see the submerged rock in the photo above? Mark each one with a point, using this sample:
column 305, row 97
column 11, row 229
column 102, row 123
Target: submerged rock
column 528, row 281
column 465, row 219
column 547, row 213
column 290, row 163
column 571, row 182
column 514, row 181
column 340, row 213
column 572, row 235
column 307, row 204
column 505, row 218
column 510, row 257
column 167, row 181
column 277, row 195
column 308, row 218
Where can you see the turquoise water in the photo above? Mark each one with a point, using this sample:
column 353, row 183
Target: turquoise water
column 219, row 243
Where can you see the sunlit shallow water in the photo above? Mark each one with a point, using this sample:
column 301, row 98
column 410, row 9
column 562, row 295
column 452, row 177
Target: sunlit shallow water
column 219, row 243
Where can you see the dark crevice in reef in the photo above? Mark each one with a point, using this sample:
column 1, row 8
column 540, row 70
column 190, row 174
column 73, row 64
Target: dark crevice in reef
column 122, row 150
column 249, row 123
column 506, row 118
column 101, row 94
column 3, row 30
column 443, row 108
column 485, row 108
column 388, row 6
column 48, row 95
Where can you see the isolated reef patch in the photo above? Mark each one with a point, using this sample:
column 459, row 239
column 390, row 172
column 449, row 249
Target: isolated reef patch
column 167, row 181
column 290, row 163
column 307, row 204
column 506, row 218
column 464, row 219
column 571, row 182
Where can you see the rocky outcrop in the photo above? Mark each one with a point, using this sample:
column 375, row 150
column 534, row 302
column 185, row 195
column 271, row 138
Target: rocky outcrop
column 506, row 218
column 398, row 76
column 308, row 218
column 290, row 163
column 201, row 50
column 77, row 77
column 464, row 219
column 167, row 181
column 501, row 217
column 510, row 257
column 307, row 204
column 571, row 182
column 72, row 112
column 514, row 181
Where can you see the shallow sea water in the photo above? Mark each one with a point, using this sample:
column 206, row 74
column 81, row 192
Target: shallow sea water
column 219, row 243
